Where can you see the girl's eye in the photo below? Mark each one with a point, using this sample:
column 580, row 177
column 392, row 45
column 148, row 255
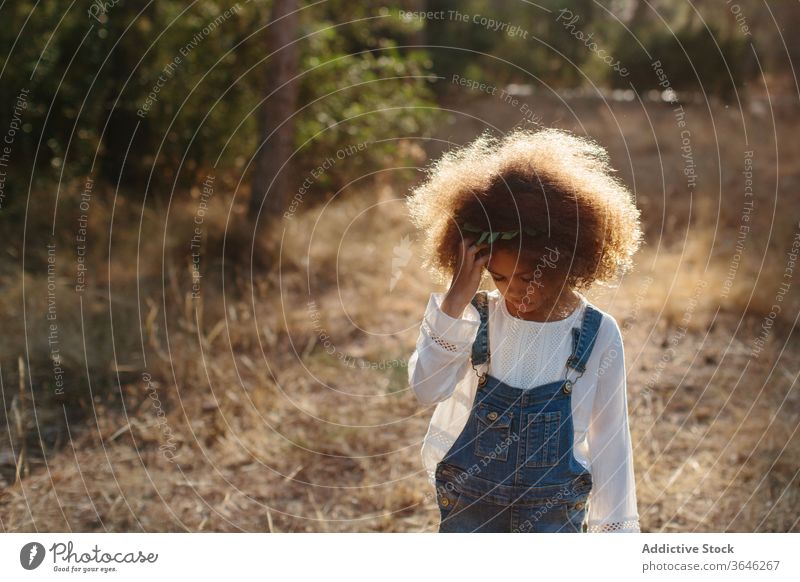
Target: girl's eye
column 496, row 278
column 527, row 279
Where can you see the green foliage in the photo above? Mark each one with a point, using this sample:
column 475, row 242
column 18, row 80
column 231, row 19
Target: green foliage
column 370, row 99
column 155, row 96
column 549, row 55
column 694, row 58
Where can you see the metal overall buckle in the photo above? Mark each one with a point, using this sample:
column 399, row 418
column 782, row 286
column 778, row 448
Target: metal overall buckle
column 481, row 377
column 568, row 384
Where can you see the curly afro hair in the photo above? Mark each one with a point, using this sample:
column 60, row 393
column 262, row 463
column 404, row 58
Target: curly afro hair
column 554, row 187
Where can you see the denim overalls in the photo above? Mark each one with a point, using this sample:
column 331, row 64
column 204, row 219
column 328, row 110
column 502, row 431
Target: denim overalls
column 512, row 468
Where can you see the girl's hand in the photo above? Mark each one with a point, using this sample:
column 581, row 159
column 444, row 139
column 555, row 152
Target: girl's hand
column 466, row 279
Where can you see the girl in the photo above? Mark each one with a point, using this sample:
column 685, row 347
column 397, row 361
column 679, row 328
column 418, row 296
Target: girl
column 530, row 432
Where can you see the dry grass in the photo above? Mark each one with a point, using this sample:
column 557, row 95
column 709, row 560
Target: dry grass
column 272, row 432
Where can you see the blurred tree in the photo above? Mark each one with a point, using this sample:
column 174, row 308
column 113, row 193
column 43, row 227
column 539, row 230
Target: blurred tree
column 270, row 184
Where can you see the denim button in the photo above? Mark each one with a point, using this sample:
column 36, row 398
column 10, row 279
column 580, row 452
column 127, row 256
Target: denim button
column 445, row 501
column 579, row 505
column 567, row 387
column 492, row 415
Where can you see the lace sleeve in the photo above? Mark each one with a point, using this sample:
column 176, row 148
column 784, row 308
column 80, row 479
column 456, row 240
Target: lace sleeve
column 627, row 526
column 612, row 500
column 439, row 340
column 443, row 349
column 453, row 334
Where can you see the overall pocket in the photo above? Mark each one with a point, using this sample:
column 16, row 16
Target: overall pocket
column 541, row 439
column 493, row 432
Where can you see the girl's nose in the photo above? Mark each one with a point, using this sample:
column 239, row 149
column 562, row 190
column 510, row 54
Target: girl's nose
column 518, row 289
column 516, row 292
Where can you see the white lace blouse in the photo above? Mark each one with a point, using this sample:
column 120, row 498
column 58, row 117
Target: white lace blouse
column 527, row 354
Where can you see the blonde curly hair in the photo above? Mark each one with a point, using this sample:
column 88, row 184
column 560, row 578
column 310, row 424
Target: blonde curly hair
column 553, row 187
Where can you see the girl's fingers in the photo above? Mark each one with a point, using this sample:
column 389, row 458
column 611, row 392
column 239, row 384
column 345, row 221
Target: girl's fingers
column 480, row 261
column 473, row 248
column 468, row 251
column 464, row 249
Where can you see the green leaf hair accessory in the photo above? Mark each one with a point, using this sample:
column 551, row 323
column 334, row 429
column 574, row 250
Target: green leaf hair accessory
column 491, row 236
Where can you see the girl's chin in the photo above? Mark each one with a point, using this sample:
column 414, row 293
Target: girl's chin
column 519, row 306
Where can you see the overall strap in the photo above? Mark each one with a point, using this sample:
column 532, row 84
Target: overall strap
column 583, row 339
column 480, row 347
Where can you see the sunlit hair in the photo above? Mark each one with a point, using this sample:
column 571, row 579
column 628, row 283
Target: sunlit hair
column 553, row 186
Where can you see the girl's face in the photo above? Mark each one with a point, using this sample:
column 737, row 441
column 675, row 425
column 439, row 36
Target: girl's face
column 528, row 283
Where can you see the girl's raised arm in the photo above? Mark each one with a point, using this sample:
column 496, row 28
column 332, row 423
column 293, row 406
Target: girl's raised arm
column 442, row 354
column 612, row 501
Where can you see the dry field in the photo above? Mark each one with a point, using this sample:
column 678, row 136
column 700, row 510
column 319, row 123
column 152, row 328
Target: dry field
column 280, row 402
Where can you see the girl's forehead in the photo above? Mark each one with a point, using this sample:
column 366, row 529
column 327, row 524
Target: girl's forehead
column 510, row 261
column 518, row 262
column 507, row 256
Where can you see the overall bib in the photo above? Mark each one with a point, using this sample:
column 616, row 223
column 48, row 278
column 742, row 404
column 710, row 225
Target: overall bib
column 512, row 468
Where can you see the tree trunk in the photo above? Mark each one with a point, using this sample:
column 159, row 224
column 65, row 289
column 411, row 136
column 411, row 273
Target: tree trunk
column 270, row 186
